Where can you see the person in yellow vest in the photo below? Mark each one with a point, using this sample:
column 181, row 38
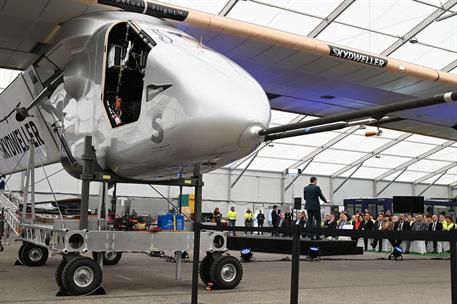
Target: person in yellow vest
column 231, row 217
column 450, row 223
column 443, row 222
column 248, row 220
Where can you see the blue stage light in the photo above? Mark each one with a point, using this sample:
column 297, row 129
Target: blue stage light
column 246, row 254
column 397, row 253
column 313, row 252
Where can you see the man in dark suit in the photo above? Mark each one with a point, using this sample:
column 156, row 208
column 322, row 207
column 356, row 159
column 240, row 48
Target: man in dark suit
column 435, row 226
column 378, row 226
column 311, row 195
column 419, row 224
column 274, row 219
column 401, row 225
column 368, row 224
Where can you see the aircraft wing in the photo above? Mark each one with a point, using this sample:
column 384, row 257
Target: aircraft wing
column 308, row 76
column 28, row 26
column 300, row 74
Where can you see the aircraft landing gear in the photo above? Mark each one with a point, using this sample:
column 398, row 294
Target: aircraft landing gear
column 224, row 272
column 77, row 275
column 32, row 255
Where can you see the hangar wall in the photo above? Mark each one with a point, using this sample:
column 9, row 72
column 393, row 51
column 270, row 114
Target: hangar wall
column 256, row 189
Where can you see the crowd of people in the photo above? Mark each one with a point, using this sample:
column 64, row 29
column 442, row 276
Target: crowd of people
column 311, row 218
column 389, row 222
column 359, row 221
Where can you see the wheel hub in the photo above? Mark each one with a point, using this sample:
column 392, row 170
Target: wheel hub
column 35, row 254
column 111, row 255
column 83, row 276
column 228, row 272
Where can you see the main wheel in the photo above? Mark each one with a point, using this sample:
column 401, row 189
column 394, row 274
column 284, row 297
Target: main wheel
column 205, row 266
column 226, row 272
column 109, row 257
column 33, row 255
column 81, row 276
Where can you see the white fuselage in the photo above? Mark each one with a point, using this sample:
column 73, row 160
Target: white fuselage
column 209, row 116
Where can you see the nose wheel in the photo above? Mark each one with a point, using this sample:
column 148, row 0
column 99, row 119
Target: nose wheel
column 224, row 272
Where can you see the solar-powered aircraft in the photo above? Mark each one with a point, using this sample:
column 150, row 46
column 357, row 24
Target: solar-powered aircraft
column 163, row 90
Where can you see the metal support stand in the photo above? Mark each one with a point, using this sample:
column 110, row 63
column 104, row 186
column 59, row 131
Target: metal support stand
column 86, row 177
column 113, row 200
column 178, row 259
column 453, row 271
column 32, row 187
column 295, row 264
column 30, row 168
column 197, row 229
column 2, row 225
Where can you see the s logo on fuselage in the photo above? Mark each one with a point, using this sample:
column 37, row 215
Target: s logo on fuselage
column 157, row 127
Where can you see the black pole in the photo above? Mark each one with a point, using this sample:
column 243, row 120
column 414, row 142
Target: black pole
column 295, row 265
column 374, row 112
column 2, row 226
column 86, row 176
column 453, row 270
column 113, row 201
column 197, row 228
column 180, row 200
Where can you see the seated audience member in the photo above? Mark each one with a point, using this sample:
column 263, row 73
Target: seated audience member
column 442, row 220
column 419, row 246
column 428, row 219
column 331, row 223
column 401, row 225
column 358, row 224
column 411, row 219
column 302, row 221
column 388, row 225
column 450, row 223
column 326, row 219
column 435, row 225
column 354, row 219
column 343, row 221
column 378, row 226
column 419, row 224
column 368, row 224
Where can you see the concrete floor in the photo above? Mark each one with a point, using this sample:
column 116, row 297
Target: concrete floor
column 139, row 278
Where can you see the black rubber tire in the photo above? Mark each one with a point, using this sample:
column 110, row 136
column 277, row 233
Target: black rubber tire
column 68, row 273
column 216, row 272
column 58, row 274
column 27, row 251
column 20, row 253
column 59, row 270
column 108, row 260
column 204, row 268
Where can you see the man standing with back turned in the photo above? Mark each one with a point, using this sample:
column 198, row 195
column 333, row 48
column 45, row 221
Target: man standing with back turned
column 311, row 194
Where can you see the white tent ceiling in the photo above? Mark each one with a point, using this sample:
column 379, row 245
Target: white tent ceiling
column 387, row 27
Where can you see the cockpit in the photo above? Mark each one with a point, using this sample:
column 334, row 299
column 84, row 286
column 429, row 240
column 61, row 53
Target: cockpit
column 127, row 53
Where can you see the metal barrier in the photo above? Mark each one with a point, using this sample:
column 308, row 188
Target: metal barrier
column 296, row 231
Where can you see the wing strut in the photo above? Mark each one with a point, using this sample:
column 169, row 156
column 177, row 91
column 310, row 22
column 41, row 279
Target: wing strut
column 23, row 113
column 343, row 120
